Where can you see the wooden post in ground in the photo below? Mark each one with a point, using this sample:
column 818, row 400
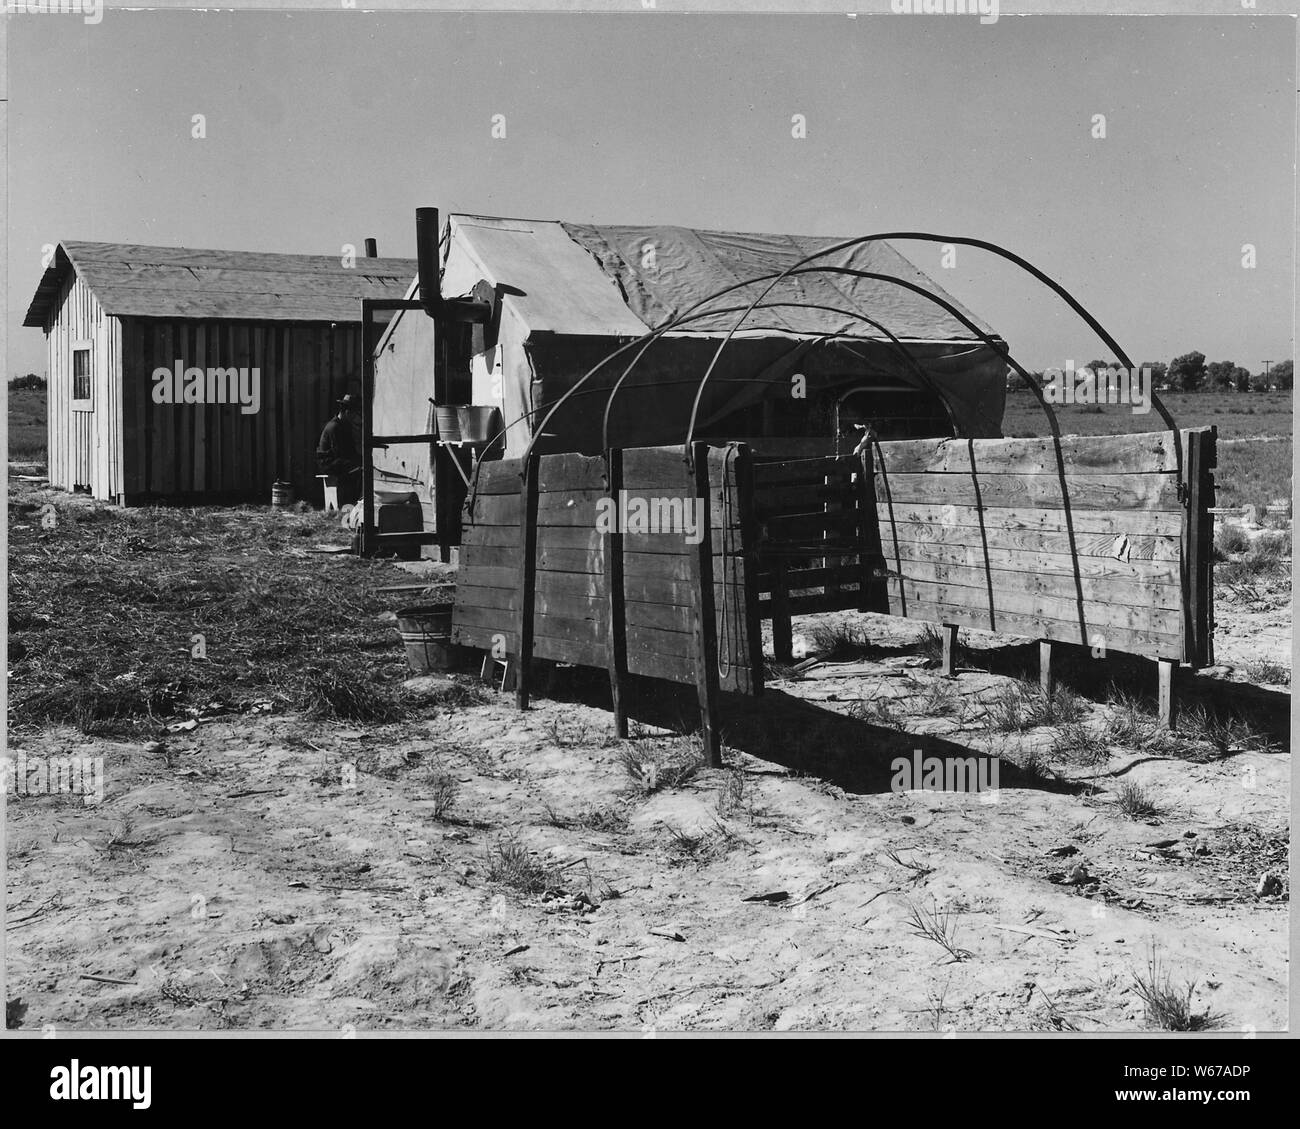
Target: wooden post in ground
column 1168, row 712
column 873, row 595
column 705, row 621
column 527, row 580
column 948, row 666
column 366, row 542
column 617, row 633
column 749, row 549
column 1198, row 543
column 1046, row 676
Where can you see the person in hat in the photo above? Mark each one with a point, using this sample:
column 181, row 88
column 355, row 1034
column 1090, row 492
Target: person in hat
column 337, row 453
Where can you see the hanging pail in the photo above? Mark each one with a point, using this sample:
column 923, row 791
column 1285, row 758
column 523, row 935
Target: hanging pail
column 448, row 424
column 281, row 494
column 426, row 633
column 478, row 424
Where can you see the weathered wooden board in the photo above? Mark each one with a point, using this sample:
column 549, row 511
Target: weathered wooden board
column 573, row 611
column 938, row 511
column 1147, row 453
column 1073, row 540
column 1108, row 492
column 1118, row 547
column 1096, row 565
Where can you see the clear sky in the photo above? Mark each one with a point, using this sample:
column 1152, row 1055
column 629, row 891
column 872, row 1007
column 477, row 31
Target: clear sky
column 326, row 127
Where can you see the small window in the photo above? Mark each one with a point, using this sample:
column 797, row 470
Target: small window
column 81, row 377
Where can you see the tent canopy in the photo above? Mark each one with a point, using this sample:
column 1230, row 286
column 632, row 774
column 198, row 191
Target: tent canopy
column 582, row 279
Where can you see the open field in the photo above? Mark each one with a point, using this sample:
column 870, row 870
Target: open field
column 27, row 435
column 1254, row 434
column 313, row 846
column 1245, row 415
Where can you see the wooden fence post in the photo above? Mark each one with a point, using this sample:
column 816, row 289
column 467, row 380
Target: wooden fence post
column 617, row 635
column 749, row 551
column 1046, row 676
column 527, row 579
column 1198, row 543
column 706, row 626
column 1168, row 712
column 873, row 593
column 948, row 664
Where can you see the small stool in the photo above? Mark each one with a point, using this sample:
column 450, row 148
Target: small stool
column 330, row 485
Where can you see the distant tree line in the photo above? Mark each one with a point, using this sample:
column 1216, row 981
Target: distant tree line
column 1191, row 373
column 31, row 380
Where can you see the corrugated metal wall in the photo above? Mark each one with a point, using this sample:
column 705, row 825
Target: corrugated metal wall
column 183, row 450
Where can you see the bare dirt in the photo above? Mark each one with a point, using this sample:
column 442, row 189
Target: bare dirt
column 273, row 872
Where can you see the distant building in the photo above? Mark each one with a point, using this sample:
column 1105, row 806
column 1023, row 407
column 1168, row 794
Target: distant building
column 259, row 348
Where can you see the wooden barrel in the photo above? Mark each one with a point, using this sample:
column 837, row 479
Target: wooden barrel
column 281, row 494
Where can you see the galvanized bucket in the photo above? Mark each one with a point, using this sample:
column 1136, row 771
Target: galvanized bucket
column 477, row 423
column 281, row 493
column 448, row 424
column 426, row 634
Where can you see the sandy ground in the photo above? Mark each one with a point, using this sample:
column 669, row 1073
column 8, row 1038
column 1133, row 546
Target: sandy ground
column 270, row 872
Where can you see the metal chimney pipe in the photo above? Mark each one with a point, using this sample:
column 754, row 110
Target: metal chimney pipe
column 426, row 250
column 372, row 249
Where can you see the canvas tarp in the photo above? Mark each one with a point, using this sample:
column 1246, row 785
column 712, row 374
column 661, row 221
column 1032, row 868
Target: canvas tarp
column 572, row 293
column 664, row 271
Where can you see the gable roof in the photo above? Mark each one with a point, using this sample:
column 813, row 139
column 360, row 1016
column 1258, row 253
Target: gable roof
column 130, row 280
column 581, row 279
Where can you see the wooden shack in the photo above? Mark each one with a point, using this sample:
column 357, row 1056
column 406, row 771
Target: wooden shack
column 275, row 341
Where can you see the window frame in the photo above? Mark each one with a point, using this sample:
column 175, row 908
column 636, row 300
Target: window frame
column 83, row 403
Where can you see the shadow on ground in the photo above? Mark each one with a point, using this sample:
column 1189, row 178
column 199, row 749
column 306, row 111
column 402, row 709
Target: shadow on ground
column 800, row 735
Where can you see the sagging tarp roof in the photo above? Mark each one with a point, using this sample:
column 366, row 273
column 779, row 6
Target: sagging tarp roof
column 583, row 279
column 130, row 280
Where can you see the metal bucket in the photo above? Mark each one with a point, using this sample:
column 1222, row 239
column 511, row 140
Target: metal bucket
column 477, row 423
column 281, row 494
column 448, row 424
column 426, row 634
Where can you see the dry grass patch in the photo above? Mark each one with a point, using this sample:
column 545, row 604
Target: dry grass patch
column 1168, row 1008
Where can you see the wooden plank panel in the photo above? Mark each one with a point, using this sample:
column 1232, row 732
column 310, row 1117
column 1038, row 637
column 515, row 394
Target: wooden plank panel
column 499, row 476
column 673, row 644
column 475, row 556
column 1109, row 492
column 1140, row 592
column 1146, row 452
column 1097, row 616
column 666, row 566
column 899, row 555
column 497, row 536
column 662, row 617
column 584, row 652
column 1017, row 540
column 570, row 472
column 1132, row 641
column 1156, row 523
column 670, row 668
column 656, row 468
